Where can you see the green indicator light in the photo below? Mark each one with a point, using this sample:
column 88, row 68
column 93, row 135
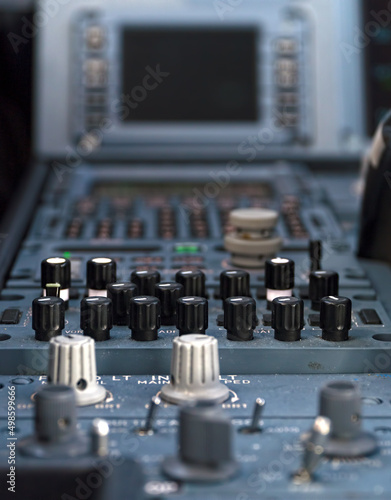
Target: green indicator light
column 66, row 255
column 187, row 249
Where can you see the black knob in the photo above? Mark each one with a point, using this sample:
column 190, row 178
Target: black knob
column 287, row 318
column 100, row 272
column 240, row 318
column 120, row 295
column 322, row 284
column 145, row 281
column 193, row 281
column 57, row 270
column 96, row 317
column 315, row 254
column 279, row 278
column 335, row 318
column 205, row 446
column 48, row 317
column 168, row 293
column 144, row 317
column 192, row 315
column 234, row 283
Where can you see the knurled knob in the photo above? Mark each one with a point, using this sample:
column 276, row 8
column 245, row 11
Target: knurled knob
column 322, row 284
column 145, row 280
column 120, row 294
column 192, row 315
column 234, row 283
column 48, row 317
column 96, row 317
column 72, row 362
column 100, row 272
column 287, row 318
column 57, row 270
column 193, row 282
column 240, row 318
column 195, row 371
column 335, row 318
column 144, row 318
column 168, row 293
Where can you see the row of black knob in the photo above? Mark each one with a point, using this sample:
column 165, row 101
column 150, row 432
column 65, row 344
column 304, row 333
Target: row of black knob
column 279, row 276
column 144, row 316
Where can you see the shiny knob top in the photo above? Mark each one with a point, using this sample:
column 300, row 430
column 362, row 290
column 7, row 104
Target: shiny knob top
column 48, row 317
column 145, row 281
column 56, row 270
column 322, row 284
column 192, row 315
column 120, row 294
column 335, row 318
column 100, row 272
column 234, row 283
column 144, row 317
column 287, row 318
column 96, row 317
column 168, row 293
column 193, row 281
column 240, row 318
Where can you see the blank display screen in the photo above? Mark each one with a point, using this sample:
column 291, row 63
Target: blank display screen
column 191, row 74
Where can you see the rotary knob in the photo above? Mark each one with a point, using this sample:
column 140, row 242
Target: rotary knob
column 56, row 434
column 322, row 284
column 240, row 318
column 100, row 272
column 144, row 318
column 205, row 447
column 96, row 317
column 193, row 282
column 192, row 315
column 279, row 278
column 234, row 283
column 287, row 318
column 340, row 401
column 48, row 317
column 195, row 371
column 145, row 281
column 72, row 363
column 168, row 293
column 57, row 270
column 335, row 318
column 120, row 295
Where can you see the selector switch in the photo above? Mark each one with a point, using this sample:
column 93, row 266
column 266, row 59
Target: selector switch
column 205, row 447
column 193, row 282
column 195, row 371
column 253, row 239
column 192, row 315
column 287, row 318
column 56, row 433
column 145, row 281
column 279, row 278
column 335, row 318
column 48, row 317
column 322, row 284
column 234, row 283
column 72, row 363
column 144, row 318
column 96, row 317
column 240, row 318
column 340, row 401
column 101, row 271
column 57, row 270
column 168, row 293
column 120, row 295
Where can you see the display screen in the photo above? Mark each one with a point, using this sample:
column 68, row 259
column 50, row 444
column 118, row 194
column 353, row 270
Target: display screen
column 187, row 75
